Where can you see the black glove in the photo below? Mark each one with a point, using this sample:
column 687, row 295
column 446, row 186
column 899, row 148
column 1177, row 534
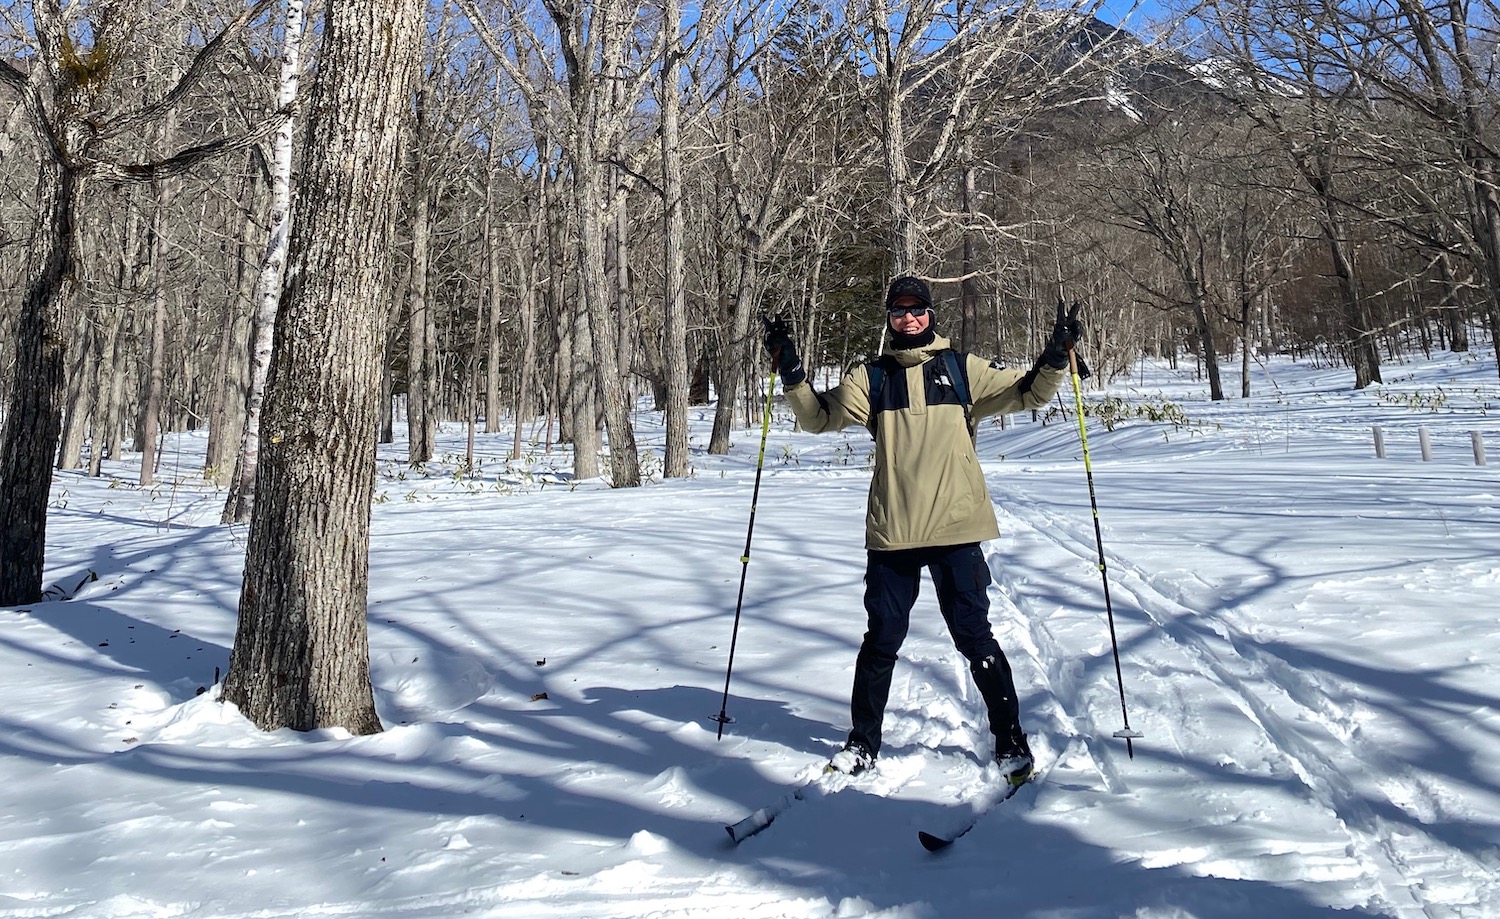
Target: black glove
column 783, row 351
column 1066, row 331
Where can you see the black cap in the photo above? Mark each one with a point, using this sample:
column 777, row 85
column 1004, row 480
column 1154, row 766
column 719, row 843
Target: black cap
column 908, row 287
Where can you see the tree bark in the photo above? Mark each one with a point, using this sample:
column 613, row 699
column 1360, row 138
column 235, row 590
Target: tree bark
column 594, row 291
column 421, row 375
column 968, row 338
column 528, row 266
column 78, row 402
column 151, row 403
column 33, row 420
column 231, row 378
column 1359, row 337
column 493, row 278
column 674, row 353
column 301, row 655
column 109, row 386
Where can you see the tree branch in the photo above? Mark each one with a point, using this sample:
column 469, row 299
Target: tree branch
column 202, row 61
column 185, row 160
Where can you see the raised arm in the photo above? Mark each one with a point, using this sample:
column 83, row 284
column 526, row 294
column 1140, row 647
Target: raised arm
column 997, row 390
column 845, row 405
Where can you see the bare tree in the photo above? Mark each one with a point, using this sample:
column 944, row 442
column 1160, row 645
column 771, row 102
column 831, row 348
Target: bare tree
column 1281, row 79
column 1154, row 185
column 782, row 139
column 301, row 653
column 1426, row 67
column 604, row 75
column 942, row 73
column 67, row 97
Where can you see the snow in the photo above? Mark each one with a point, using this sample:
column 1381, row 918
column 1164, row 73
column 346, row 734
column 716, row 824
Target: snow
column 1309, row 638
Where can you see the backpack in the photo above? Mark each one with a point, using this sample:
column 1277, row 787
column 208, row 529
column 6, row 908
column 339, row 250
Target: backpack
column 877, row 370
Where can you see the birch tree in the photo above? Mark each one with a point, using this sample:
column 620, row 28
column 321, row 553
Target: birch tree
column 267, row 298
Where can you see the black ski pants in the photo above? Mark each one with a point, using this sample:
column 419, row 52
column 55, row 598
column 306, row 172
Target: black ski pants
column 962, row 579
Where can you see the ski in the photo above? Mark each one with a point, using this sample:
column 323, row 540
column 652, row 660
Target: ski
column 933, row 842
column 763, row 817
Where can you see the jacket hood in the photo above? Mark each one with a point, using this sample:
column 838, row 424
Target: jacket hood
column 910, row 357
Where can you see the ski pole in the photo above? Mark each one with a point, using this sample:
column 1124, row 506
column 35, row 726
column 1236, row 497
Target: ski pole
column 760, row 463
column 1088, row 469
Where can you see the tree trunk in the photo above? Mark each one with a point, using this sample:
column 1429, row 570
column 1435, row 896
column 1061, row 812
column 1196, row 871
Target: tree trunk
column 527, row 267
column 79, row 400
column 151, row 402
column 730, row 368
column 594, row 292
column 119, row 327
column 33, row 420
column 1247, row 341
column 106, row 429
column 421, row 375
column 582, row 414
column 1193, row 279
column 1475, row 96
column 226, row 412
column 968, row 338
column 301, row 653
column 674, row 353
column 493, row 302
column 1452, row 308
column 241, row 502
column 1359, row 338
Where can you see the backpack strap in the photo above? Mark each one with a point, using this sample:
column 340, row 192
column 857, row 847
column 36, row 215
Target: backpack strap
column 957, row 372
column 876, row 371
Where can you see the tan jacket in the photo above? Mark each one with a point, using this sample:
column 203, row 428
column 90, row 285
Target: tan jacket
column 928, row 489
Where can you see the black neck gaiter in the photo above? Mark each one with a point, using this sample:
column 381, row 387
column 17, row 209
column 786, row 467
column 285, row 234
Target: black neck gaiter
column 900, row 342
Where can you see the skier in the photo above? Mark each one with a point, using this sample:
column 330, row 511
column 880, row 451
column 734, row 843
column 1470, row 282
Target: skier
column 928, row 506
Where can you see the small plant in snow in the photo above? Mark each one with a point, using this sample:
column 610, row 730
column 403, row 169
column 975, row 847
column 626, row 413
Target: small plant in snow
column 1417, row 401
column 1112, row 410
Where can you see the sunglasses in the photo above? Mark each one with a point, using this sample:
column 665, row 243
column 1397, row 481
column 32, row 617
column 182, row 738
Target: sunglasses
column 898, row 311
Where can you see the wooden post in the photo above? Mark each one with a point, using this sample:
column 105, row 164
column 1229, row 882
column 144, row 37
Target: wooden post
column 1426, row 444
column 1478, row 447
column 1379, row 442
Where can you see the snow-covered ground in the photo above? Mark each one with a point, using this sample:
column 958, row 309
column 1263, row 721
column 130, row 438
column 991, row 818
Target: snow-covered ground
column 1310, row 640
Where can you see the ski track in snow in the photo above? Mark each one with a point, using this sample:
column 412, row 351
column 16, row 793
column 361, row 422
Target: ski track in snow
column 1372, row 799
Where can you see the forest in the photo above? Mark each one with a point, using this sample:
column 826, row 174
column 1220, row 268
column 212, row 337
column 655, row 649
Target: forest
column 586, row 206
